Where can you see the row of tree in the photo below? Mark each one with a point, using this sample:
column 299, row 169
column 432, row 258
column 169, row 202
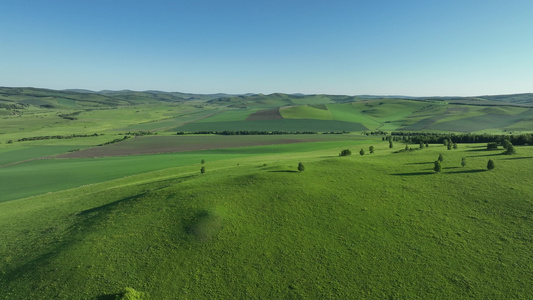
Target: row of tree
column 440, row 138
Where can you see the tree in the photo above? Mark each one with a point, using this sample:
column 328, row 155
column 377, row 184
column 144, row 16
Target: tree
column 449, row 146
column 492, row 146
column 301, row 167
column 509, row 149
column 490, row 164
column 203, row 161
column 427, row 144
column 437, row 167
column 454, row 145
column 406, row 147
column 445, row 142
column 441, row 158
column 371, row 149
column 421, row 146
column 345, row 152
column 463, row 162
column 362, row 152
column 390, row 144
column 202, row 170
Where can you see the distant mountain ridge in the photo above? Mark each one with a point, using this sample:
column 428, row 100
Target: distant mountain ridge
column 81, row 98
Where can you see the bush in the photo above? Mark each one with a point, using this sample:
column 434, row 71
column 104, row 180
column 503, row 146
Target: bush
column 371, row 149
column 438, row 167
column 345, row 152
column 202, row 170
column 492, row 146
column 362, row 152
column 441, row 158
column 301, row 167
column 131, row 294
column 490, row 164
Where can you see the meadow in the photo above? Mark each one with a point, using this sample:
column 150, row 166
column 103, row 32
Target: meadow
column 137, row 217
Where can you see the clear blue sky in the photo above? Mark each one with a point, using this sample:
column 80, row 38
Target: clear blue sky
column 394, row 47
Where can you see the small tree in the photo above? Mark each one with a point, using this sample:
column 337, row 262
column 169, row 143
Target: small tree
column 449, row 146
column 301, row 167
column 509, row 149
column 441, row 158
column 445, row 142
column 203, row 161
column 371, row 149
column 362, row 152
column 490, row 164
column 454, row 145
column 202, row 170
column 427, row 144
column 421, row 145
column 437, row 167
column 492, row 146
column 390, row 144
column 463, row 162
column 406, row 147
column 345, row 152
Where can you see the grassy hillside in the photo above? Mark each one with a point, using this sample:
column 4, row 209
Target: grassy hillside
column 367, row 227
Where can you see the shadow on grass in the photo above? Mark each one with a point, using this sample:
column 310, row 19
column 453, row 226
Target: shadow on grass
column 448, row 168
column 513, row 158
column 413, row 173
column 466, row 171
column 285, row 171
column 421, row 163
column 107, row 207
column 494, row 154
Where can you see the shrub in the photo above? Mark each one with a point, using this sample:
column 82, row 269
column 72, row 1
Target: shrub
column 441, row 158
column 131, row 294
column 437, row 167
column 371, row 149
column 202, row 170
column 362, row 152
column 492, row 146
column 345, row 152
column 301, row 167
column 463, row 162
column 490, row 164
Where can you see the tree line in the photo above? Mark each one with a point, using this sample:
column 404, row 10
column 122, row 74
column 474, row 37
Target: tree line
column 440, row 138
column 57, row 137
column 257, row 132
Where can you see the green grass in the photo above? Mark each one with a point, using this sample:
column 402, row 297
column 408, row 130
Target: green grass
column 275, row 125
column 305, row 112
column 42, row 176
column 372, row 227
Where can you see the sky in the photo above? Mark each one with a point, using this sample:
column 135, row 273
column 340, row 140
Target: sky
column 377, row 47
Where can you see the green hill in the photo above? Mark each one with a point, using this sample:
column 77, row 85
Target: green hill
column 372, row 227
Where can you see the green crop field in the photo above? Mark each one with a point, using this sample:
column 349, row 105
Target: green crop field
column 138, row 216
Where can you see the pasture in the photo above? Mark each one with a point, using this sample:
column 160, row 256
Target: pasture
column 81, row 221
column 375, row 226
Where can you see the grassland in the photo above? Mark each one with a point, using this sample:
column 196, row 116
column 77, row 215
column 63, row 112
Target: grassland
column 374, row 227
column 84, row 222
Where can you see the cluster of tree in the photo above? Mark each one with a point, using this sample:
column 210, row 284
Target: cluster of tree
column 70, row 116
column 336, row 132
column 378, row 132
column 247, row 132
column 345, row 152
column 115, row 141
column 10, row 106
column 139, row 133
column 56, row 137
column 439, row 138
column 437, row 165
